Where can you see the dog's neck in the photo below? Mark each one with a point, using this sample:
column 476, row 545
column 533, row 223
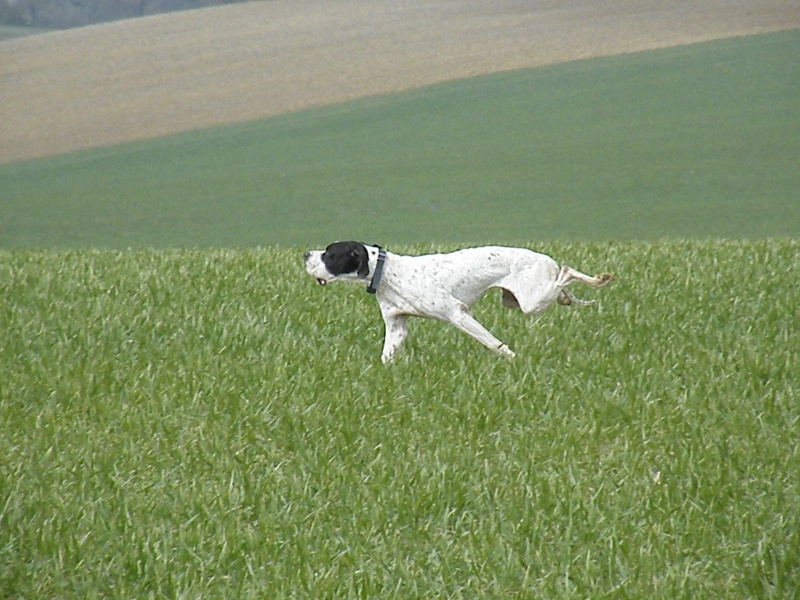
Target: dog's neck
column 377, row 274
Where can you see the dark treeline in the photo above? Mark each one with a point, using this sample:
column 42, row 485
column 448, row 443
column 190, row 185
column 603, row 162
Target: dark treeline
column 60, row 14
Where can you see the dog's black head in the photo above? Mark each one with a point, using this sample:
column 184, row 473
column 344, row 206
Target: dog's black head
column 341, row 258
column 346, row 261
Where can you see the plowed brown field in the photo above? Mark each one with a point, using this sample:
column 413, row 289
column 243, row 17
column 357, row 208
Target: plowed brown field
column 153, row 76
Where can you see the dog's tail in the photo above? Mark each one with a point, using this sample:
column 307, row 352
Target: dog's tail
column 567, row 298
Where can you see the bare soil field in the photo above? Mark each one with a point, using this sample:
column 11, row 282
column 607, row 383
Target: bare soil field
column 142, row 78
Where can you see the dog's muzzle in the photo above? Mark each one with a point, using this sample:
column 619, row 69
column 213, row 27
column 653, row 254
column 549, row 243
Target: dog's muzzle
column 307, row 255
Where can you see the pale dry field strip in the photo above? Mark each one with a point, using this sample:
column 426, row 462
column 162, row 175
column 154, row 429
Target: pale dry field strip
column 137, row 79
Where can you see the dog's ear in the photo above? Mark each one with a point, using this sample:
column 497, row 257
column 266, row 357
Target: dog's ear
column 342, row 258
column 362, row 256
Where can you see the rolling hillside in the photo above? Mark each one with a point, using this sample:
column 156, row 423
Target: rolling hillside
column 149, row 77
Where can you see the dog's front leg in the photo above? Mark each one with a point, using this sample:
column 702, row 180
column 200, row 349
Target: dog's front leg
column 467, row 323
column 396, row 333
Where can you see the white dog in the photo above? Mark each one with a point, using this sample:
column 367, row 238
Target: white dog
column 444, row 286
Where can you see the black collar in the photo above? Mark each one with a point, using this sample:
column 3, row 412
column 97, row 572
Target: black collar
column 376, row 276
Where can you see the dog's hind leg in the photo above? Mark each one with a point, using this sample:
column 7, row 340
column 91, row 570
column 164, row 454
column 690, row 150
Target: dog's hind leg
column 566, row 298
column 568, row 275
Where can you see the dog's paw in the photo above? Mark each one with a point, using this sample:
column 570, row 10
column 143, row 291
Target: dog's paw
column 604, row 278
column 504, row 350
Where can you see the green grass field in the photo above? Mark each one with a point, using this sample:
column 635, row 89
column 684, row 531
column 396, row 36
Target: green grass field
column 211, row 423
column 694, row 142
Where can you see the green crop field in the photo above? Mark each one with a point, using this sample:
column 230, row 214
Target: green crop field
column 698, row 141
column 211, row 423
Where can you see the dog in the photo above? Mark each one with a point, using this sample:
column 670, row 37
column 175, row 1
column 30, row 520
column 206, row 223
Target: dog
column 445, row 286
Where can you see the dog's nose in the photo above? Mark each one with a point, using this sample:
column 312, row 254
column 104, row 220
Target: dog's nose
column 306, row 255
